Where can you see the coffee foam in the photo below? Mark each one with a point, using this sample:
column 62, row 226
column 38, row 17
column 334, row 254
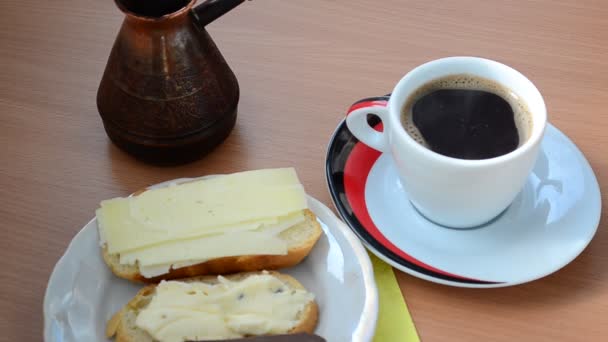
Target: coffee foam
column 521, row 113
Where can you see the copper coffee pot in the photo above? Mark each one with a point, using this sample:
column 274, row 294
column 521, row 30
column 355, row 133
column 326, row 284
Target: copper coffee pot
column 167, row 95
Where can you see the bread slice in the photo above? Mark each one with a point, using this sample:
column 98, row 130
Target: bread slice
column 122, row 324
column 300, row 239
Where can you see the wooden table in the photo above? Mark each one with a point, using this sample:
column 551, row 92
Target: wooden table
column 300, row 65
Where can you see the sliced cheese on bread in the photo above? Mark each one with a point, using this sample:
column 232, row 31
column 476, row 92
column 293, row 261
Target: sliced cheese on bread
column 199, row 208
column 202, row 221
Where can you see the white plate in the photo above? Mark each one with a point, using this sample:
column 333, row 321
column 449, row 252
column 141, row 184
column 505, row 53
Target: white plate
column 82, row 293
column 549, row 224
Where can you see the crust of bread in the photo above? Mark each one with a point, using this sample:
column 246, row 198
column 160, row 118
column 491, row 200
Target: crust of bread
column 122, row 324
column 228, row 265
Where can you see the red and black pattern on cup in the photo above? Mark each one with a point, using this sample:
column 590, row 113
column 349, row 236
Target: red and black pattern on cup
column 348, row 164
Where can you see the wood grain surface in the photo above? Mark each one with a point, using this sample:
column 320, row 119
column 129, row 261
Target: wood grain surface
column 300, row 64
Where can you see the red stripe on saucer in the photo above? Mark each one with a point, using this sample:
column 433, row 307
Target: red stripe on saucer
column 376, row 103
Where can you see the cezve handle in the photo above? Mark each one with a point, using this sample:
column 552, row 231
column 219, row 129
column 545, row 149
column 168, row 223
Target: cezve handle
column 210, row 10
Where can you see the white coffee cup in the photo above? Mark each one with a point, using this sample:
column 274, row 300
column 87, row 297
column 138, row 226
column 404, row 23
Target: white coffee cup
column 454, row 192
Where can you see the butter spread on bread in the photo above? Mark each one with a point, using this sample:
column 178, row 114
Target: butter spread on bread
column 181, row 225
column 217, row 308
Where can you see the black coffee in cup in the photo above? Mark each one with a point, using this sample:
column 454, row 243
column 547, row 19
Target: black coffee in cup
column 466, row 117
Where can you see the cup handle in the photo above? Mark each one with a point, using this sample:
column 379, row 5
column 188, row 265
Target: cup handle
column 356, row 121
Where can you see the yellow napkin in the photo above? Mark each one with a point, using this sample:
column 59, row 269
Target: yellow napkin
column 394, row 320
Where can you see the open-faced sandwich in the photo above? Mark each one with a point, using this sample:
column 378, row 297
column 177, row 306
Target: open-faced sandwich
column 216, row 308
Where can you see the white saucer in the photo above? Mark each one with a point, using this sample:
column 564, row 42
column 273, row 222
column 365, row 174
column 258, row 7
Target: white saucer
column 549, row 224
